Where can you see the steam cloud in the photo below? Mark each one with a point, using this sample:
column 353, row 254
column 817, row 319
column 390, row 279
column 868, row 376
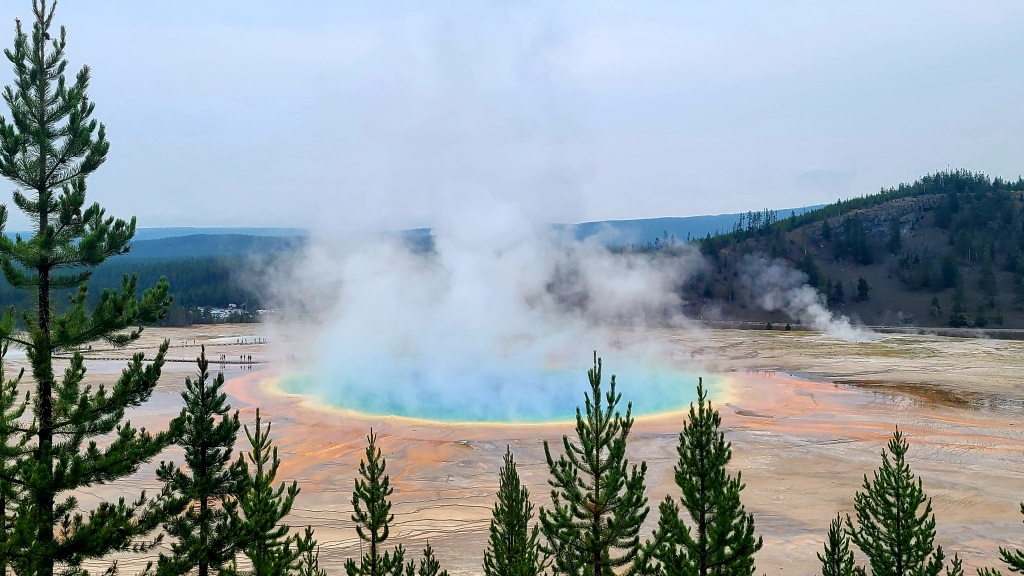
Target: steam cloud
column 479, row 327
column 490, row 148
column 499, row 299
column 777, row 286
column 475, row 321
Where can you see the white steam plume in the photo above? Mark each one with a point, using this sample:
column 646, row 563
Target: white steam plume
column 489, row 149
column 497, row 301
column 777, row 286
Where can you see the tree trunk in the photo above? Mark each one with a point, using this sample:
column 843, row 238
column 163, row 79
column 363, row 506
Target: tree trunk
column 43, row 362
column 204, row 566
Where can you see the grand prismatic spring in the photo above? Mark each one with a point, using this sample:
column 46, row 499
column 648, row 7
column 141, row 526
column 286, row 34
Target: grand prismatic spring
column 493, row 394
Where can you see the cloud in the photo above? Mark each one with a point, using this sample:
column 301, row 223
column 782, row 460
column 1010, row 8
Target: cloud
column 369, row 114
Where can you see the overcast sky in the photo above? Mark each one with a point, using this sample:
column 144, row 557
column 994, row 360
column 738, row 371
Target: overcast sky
column 390, row 114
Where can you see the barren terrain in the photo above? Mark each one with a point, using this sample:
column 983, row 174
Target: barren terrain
column 808, row 416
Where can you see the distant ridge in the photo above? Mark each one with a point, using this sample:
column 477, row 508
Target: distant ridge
column 178, row 231
column 214, row 245
column 624, row 232
column 176, row 242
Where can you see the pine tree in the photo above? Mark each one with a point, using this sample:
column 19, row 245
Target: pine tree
column 837, row 559
column 429, row 566
column 895, row 525
column 514, row 548
column 949, row 272
column 807, row 266
column 372, row 516
column 1012, row 558
column 267, row 542
column 958, row 314
column 895, row 242
column 862, row 290
column 598, row 503
column 207, row 533
column 48, row 147
column 309, row 564
column 719, row 538
column 838, row 293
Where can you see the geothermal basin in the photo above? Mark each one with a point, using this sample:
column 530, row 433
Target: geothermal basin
column 808, row 416
column 495, row 395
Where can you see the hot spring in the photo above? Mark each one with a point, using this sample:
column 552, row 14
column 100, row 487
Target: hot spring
column 496, row 394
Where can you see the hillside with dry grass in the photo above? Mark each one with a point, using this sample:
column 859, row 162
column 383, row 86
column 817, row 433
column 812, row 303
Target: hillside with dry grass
column 946, row 250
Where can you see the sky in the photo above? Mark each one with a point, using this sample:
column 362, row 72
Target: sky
column 386, row 115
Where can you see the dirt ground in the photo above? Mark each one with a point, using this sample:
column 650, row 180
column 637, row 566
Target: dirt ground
column 807, row 415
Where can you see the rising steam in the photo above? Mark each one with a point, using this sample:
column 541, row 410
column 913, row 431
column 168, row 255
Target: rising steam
column 777, row 286
column 495, row 303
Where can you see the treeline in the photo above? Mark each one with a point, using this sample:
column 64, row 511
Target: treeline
column 197, row 284
column 975, row 188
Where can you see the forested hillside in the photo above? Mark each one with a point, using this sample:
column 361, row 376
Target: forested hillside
column 946, row 250
column 197, row 282
column 215, row 245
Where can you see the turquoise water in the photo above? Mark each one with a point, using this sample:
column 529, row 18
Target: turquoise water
column 494, row 395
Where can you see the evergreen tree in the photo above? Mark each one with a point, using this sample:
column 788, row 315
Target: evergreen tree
column 895, row 242
column 514, row 548
column 958, row 313
column 309, row 563
column 980, row 318
column 988, row 283
column 719, row 537
column 429, row 566
column 267, row 542
column 862, row 290
column 838, row 293
column 807, row 266
column 207, row 533
column 48, row 146
column 949, row 272
column 372, row 515
column 1012, row 558
column 598, row 503
column 854, row 242
column 837, row 559
column 895, row 525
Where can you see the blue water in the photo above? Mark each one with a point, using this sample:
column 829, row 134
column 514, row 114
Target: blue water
column 494, row 395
